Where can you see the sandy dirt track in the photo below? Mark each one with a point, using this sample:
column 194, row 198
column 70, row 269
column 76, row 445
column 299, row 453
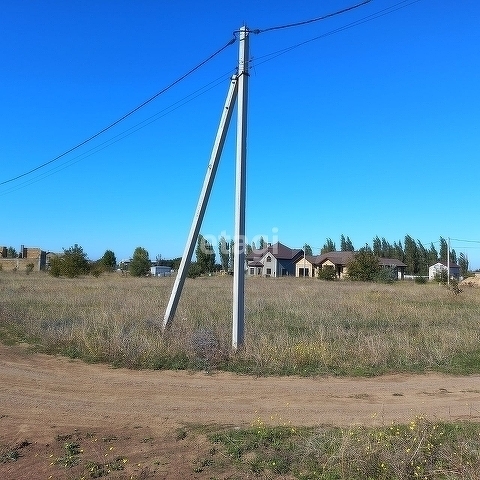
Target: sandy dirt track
column 44, row 399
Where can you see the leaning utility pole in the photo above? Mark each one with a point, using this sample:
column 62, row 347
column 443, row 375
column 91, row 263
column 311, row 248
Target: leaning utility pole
column 238, row 88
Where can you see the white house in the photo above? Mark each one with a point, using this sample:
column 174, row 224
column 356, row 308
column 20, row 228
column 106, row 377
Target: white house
column 160, row 271
column 440, row 266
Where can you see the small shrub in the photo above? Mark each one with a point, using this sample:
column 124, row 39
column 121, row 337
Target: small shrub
column 421, row 280
column 454, row 286
column 442, row 276
column 385, row 275
column 194, row 271
column 96, row 272
column 29, row 268
column 327, row 273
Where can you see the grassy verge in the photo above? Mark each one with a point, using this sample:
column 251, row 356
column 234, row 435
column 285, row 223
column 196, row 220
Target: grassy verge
column 422, row 449
column 293, row 326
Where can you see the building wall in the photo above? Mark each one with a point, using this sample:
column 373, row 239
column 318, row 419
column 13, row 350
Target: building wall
column 30, row 255
column 340, row 270
column 270, row 267
column 303, row 263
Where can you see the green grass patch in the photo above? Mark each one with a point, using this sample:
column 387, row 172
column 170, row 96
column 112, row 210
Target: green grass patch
column 420, row 449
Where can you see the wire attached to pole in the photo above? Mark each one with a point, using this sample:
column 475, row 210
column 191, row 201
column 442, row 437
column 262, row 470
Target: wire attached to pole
column 128, row 114
column 313, row 20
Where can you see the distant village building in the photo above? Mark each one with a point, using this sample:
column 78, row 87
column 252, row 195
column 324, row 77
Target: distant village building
column 309, row 265
column 437, row 269
column 160, row 271
column 26, row 256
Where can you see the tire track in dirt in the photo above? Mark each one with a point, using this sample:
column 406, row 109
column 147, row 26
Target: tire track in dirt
column 37, row 389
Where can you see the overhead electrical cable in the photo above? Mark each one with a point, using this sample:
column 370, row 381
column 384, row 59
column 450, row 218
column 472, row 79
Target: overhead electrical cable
column 128, row 114
column 467, row 241
column 266, row 58
column 368, row 18
column 312, row 20
column 126, row 133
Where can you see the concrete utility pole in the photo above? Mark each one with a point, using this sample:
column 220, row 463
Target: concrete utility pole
column 238, row 88
column 240, row 193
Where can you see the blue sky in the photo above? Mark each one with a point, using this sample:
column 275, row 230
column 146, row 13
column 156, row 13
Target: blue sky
column 373, row 130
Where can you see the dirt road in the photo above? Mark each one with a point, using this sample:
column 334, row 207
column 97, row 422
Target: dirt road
column 48, row 401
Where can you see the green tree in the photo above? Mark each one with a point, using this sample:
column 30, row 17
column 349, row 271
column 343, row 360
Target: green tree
column 387, row 249
column 140, row 263
column 75, row 262
column 422, row 259
column 411, row 255
column 231, row 259
column 432, row 255
column 377, row 247
column 194, row 270
column 71, row 264
column 443, row 250
column 364, row 265
column 453, row 256
column 346, row 244
column 205, row 255
column 11, row 253
column 307, row 249
column 108, row 262
column 55, row 267
column 328, row 246
column 463, row 264
column 261, row 243
column 398, row 252
column 327, row 273
column 224, row 253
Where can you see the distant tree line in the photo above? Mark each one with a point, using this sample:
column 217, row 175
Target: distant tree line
column 74, row 262
column 416, row 256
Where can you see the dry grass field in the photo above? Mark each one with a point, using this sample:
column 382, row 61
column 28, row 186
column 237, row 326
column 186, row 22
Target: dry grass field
column 294, row 413
column 293, row 326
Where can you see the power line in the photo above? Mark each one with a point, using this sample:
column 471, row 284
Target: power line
column 368, row 18
column 270, row 56
column 126, row 133
column 306, row 22
column 128, row 114
column 466, row 241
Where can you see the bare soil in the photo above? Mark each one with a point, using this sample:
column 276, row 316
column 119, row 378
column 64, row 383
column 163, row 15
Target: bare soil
column 152, row 424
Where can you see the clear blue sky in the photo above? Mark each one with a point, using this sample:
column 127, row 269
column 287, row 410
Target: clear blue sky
column 373, row 130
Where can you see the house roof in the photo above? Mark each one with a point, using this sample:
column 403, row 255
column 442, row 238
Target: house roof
column 391, row 262
column 278, row 250
column 454, row 265
column 342, row 258
column 338, row 258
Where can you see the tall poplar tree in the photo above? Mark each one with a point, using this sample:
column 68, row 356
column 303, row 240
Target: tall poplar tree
column 329, row 246
column 224, row 253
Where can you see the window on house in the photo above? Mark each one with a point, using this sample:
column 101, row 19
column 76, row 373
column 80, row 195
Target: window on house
column 269, row 259
column 252, row 271
column 303, row 272
column 269, row 271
